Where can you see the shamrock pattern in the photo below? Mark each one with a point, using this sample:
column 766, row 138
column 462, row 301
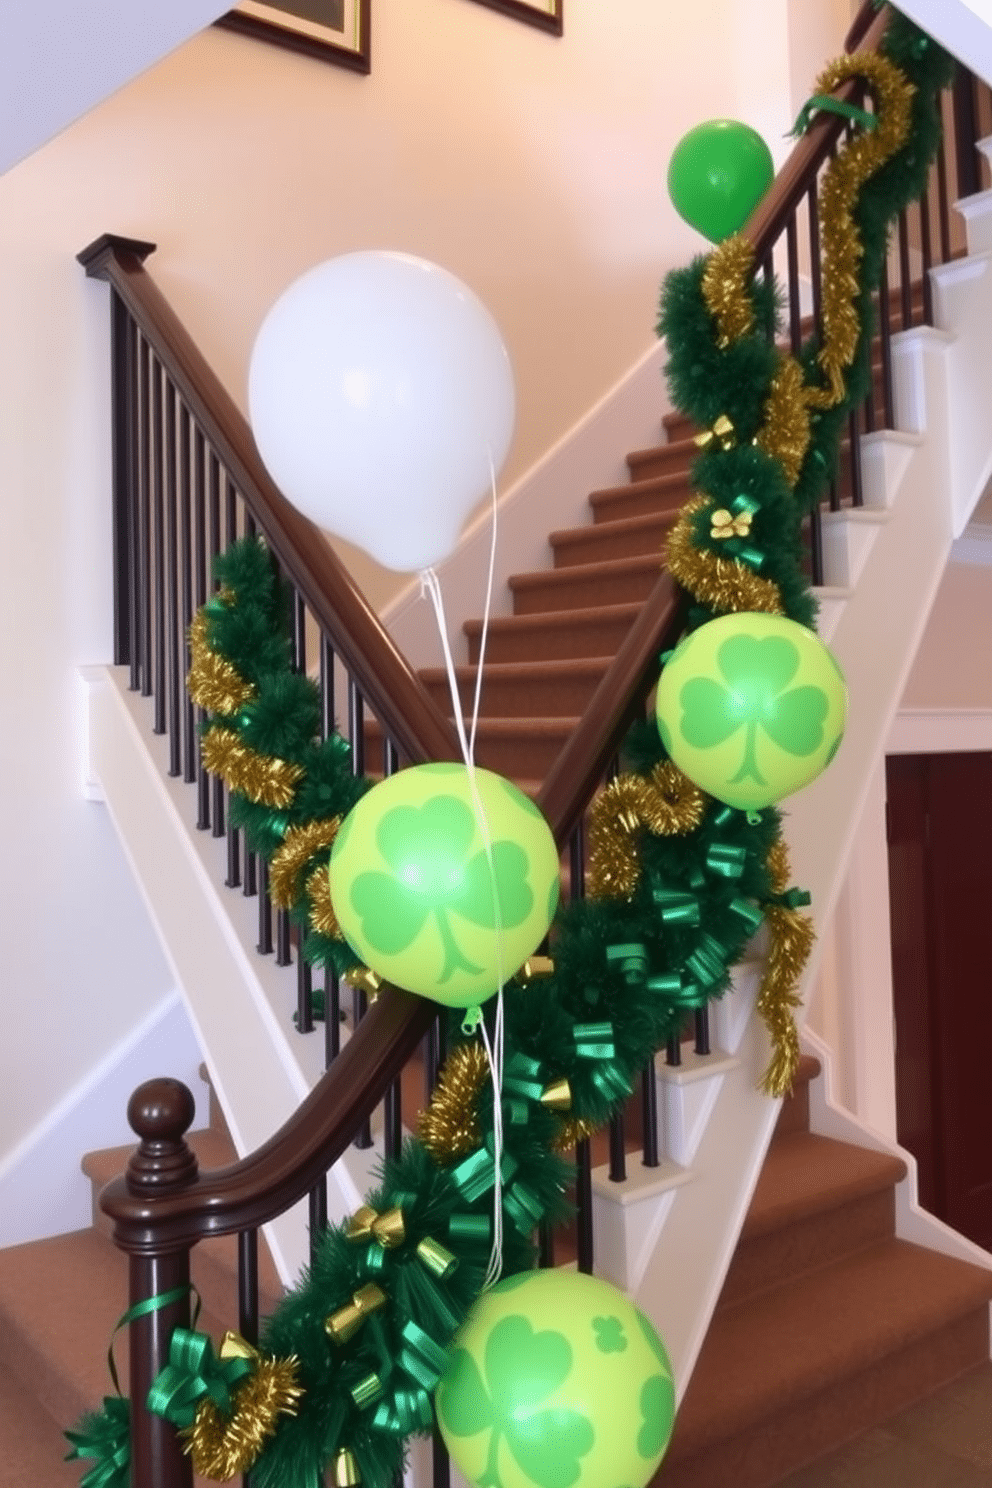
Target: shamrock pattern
column 610, row 1337
column 757, row 672
column 394, row 907
column 523, row 1368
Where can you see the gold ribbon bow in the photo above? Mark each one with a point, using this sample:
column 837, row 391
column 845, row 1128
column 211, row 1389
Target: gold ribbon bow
column 368, row 1225
column 725, row 524
column 722, row 434
column 345, row 1323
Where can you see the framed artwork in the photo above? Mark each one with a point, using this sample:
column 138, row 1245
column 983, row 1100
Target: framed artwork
column 547, row 15
column 331, row 30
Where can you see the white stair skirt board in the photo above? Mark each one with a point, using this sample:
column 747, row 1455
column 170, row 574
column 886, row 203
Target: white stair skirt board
column 43, row 1190
column 240, row 1003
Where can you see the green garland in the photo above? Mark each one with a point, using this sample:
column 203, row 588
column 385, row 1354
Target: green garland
column 369, row 1324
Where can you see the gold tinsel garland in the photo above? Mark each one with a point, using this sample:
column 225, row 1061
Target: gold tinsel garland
column 214, row 683
column 723, row 584
column 725, row 285
column 299, row 845
column 449, row 1127
column 791, row 937
column 844, row 177
column 221, row 1447
column 322, row 917
column 667, row 804
column 785, row 431
column 262, row 778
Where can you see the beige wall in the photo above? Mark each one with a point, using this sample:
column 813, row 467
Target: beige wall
column 531, row 167
column 953, row 667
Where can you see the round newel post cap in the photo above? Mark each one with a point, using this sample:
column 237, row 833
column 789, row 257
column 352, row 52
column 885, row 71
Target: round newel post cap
column 161, row 1112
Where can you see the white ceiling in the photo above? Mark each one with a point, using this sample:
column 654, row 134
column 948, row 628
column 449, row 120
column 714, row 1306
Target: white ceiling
column 60, row 57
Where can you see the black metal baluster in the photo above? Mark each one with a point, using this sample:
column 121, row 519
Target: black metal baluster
column 186, row 572
column 701, row 1019
column 248, row 1285
column 673, row 1048
column 283, row 939
column 318, row 1215
column 885, row 333
column 122, row 456
column 304, row 987
column 857, row 492
column 356, row 728
column 965, row 133
column 144, row 522
column 218, row 812
column 264, row 909
column 577, row 862
column 815, row 269
column 332, row 1016
column 158, row 530
column 200, row 579
column 943, row 202
column 440, row 1464
column 233, row 879
column 172, row 586
column 649, row 1116
column 927, row 248
column 795, row 308
column 905, row 273
column 328, row 719
column 583, row 1205
column 618, row 1150
column 359, row 1005
column 393, row 1118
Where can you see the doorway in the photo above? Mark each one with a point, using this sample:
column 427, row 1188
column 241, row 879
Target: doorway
column 940, row 884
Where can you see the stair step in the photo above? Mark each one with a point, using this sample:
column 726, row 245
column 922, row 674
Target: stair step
column 554, row 635
column 794, row 1113
column 643, row 497
column 523, row 749
column 521, row 688
column 660, row 460
column 816, row 1200
column 626, row 537
column 33, row 1444
column 791, row 1373
column 620, row 581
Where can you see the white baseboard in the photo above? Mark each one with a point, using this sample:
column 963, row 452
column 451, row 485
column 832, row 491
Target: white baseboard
column 42, row 1187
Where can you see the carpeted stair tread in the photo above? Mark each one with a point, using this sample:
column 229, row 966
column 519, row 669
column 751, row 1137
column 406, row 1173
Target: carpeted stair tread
column 661, row 459
column 661, row 491
column 609, row 581
column 625, row 537
column 33, row 1444
column 554, row 635
column 805, row 1175
column 776, row 1352
column 515, row 689
column 60, row 1300
column 522, row 748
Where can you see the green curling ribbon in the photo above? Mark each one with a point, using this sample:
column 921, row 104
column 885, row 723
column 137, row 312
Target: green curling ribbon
column 708, row 962
column 106, row 1437
column 726, row 860
column 744, row 503
column 374, row 1260
column 827, row 103
column 669, row 985
column 594, row 1041
column 421, row 1357
column 632, row 959
column 794, row 899
column 470, row 1229
column 367, row 1391
column 407, row 1411
column 521, row 1077
column 477, row 1174
column 192, row 1374
column 723, row 817
column 523, row 1206
column 748, row 554
column 748, row 912
column 676, row 906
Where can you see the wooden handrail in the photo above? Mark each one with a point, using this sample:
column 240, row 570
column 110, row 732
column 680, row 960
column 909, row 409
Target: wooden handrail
column 286, row 1167
column 392, row 689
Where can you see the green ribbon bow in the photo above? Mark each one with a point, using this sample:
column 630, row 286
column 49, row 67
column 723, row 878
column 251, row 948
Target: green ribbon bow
column 750, row 913
column 676, row 906
column 708, row 962
column 828, row 104
column 726, row 860
column 193, row 1374
column 672, row 986
column 631, row 957
column 104, row 1435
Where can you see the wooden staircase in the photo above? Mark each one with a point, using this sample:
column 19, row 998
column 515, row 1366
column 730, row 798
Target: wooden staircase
column 827, row 1324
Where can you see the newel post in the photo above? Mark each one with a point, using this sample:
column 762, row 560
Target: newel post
column 160, row 1112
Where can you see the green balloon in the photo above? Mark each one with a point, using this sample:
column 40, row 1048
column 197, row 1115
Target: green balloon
column 556, row 1380
column 752, row 708
column 717, row 175
column 412, row 882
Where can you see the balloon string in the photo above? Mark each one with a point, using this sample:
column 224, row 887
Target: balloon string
column 431, row 586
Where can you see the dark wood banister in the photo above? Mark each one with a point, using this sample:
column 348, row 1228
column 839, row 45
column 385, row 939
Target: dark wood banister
column 393, row 691
column 282, row 1171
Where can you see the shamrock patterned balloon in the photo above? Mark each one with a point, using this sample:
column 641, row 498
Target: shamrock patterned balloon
column 556, row 1380
column 421, row 900
column 751, row 707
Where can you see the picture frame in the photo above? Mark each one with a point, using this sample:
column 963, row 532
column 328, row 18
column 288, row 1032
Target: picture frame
column 546, row 15
column 337, row 31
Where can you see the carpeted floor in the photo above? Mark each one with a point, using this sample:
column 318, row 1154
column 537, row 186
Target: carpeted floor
column 944, row 1442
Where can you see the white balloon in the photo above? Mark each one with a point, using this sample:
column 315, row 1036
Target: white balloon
column 381, row 396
